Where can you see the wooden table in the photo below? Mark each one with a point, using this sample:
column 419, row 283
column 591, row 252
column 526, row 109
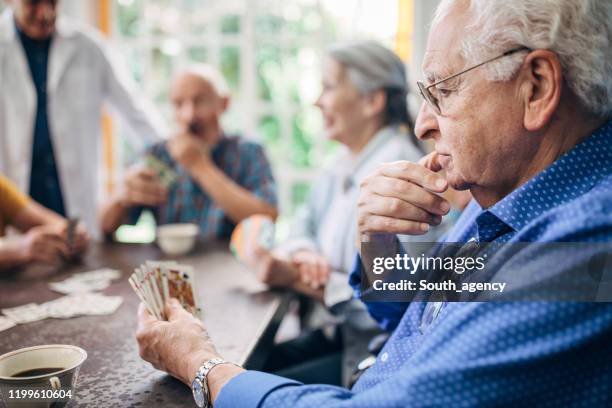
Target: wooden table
column 241, row 317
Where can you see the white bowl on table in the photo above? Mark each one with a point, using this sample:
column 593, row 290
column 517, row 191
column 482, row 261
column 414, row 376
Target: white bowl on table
column 177, row 239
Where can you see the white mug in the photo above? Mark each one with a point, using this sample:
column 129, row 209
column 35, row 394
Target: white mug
column 56, row 387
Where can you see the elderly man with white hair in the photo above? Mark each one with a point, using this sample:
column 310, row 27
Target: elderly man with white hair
column 518, row 101
column 218, row 179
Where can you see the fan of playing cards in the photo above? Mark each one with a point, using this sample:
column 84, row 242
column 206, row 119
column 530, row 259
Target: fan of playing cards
column 154, row 282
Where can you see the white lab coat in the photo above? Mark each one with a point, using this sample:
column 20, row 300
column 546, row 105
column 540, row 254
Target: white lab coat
column 81, row 77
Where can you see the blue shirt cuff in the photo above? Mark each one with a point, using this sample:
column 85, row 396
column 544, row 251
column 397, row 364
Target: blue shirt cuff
column 387, row 314
column 250, row 388
column 355, row 276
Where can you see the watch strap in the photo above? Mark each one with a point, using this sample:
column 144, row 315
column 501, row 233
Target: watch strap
column 202, row 374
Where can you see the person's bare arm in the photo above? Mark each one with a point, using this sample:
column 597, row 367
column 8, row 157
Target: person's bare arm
column 11, row 254
column 44, row 238
column 112, row 214
column 34, row 215
column 237, row 202
column 42, row 244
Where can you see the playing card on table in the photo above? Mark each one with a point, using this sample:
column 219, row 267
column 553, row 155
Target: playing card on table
column 6, row 323
column 71, row 287
column 26, row 313
column 82, row 304
column 62, row 308
column 96, row 304
column 103, row 273
column 91, row 281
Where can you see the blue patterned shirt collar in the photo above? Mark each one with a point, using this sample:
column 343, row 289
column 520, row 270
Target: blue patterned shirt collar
column 572, row 175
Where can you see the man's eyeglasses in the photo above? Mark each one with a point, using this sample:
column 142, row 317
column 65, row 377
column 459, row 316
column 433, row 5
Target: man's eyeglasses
column 434, row 101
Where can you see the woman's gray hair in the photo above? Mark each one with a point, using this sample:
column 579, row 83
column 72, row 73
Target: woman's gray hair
column 372, row 67
column 578, row 31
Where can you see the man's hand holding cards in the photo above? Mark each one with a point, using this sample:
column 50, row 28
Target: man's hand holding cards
column 155, row 282
column 166, row 176
column 142, row 187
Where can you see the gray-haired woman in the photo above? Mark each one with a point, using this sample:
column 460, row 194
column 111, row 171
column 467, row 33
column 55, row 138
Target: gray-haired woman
column 363, row 103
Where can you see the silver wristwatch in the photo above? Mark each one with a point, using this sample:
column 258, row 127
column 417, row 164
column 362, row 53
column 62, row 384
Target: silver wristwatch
column 199, row 385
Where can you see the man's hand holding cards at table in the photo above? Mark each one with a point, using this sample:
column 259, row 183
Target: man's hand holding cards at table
column 142, row 187
column 146, row 184
column 156, row 282
column 49, row 244
column 169, row 308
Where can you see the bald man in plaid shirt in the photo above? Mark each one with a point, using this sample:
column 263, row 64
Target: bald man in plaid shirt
column 219, row 179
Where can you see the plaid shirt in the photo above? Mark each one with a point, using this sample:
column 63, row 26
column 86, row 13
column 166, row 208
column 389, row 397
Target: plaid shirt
column 243, row 161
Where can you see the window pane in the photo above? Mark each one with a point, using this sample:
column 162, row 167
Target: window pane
column 230, row 24
column 301, row 143
column 135, row 59
column 230, row 66
column 269, row 129
column 197, row 54
column 301, row 21
column 269, row 72
column 128, row 18
column 161, row 72
column 163, row 17
column 268, row 24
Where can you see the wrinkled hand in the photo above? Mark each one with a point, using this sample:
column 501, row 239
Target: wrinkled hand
column 314, row 270
column 141, row 187
column 399, row 198
column 43, row 244
column 178, row 346
column 189, row 151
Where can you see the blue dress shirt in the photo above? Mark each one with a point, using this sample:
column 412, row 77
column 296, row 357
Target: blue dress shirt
column 548, row 354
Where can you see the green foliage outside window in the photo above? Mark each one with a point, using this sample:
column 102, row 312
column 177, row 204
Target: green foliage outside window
column 129, row 19
column 230, row 24
column 230, row 67
column 269, row 72
column 198, row 54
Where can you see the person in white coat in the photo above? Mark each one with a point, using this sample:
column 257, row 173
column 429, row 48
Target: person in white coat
column 56, row 75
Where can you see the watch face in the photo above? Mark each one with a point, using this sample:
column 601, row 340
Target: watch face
column 198, row 393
